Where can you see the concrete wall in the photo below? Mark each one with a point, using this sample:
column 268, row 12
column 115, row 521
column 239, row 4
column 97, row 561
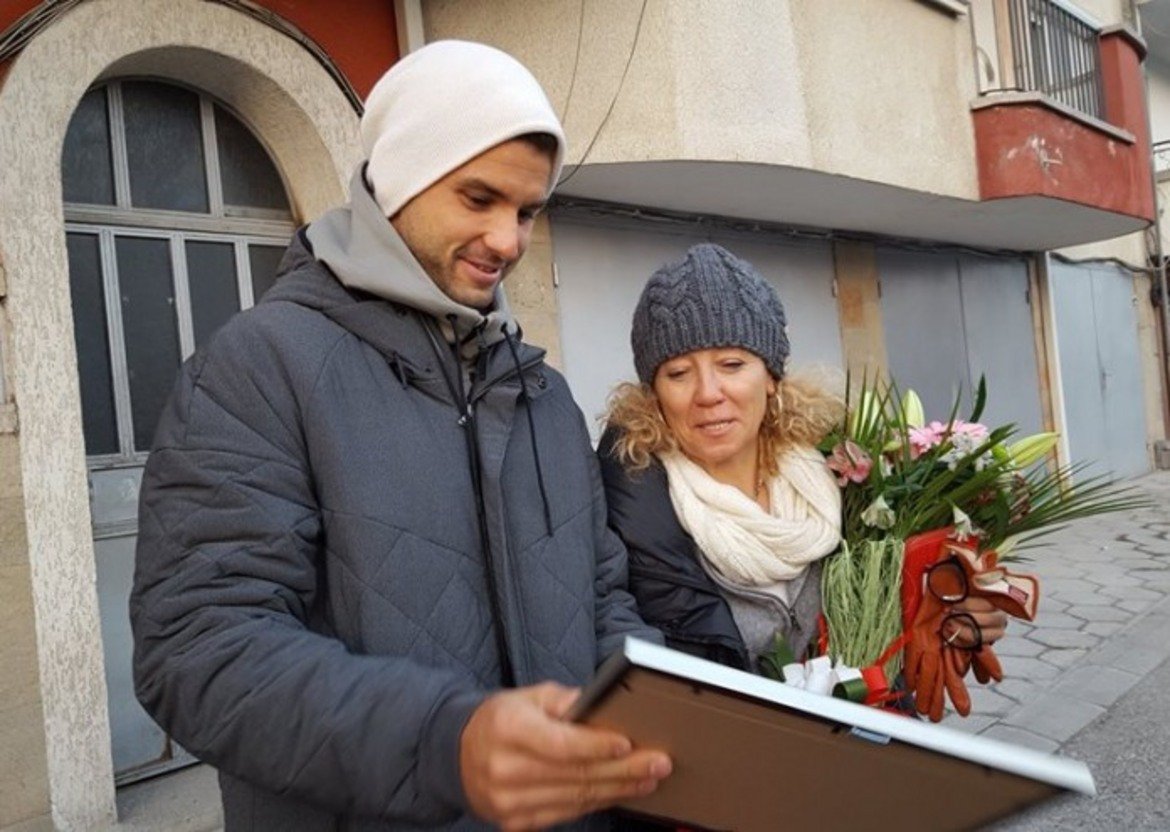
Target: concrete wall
column 533, row 296
column 780, row 83
column 888, row 90
column 1158, row 82
column 24, row 780
column 859, row 307
column 1105, row 12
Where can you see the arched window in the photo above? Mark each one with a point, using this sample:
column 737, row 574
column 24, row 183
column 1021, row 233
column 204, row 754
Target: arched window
column 175, row 219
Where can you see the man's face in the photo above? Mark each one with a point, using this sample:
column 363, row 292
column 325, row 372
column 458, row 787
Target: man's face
column 471, row 227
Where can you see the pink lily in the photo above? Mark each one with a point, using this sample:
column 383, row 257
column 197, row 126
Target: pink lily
column 850, row 463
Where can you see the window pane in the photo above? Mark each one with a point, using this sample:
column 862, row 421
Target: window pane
column 150, row 330
column 86, row 170
column 263, row 261
column 248, row 175
column 93, row 346
column 215, row 295
column 164, row 147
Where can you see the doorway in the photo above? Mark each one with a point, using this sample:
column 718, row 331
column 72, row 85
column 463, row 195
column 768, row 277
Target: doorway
column 175, row 219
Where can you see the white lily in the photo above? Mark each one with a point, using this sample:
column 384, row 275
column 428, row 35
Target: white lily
column 1032, row 448
column 912, row 411
column 864, row 418
column 963, row 525
column 878, row 514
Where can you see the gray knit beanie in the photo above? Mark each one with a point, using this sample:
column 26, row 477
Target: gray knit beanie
column 710, row 298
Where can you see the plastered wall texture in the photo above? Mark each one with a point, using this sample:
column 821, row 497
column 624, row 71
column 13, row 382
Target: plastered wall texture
column 24, row 782
column 310, row 129
column 532, row 295
column 1150, row 345
column 859, row 309
column 778, row 83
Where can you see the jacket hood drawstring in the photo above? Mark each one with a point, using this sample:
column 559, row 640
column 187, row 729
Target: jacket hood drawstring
column 510, row 338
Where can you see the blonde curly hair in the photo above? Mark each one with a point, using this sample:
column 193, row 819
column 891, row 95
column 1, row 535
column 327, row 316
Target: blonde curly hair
column 807, row 405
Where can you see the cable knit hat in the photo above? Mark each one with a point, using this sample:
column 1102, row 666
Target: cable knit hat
column 710, row 298
column 440, row 107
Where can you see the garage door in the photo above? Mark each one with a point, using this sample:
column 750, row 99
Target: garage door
column 950, row 318
column 1100, row 365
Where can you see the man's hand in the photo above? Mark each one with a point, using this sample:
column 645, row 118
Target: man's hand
column 525, row 768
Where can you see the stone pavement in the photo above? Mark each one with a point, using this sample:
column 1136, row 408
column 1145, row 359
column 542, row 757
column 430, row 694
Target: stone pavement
column 1089, row 677
column 1103, row 624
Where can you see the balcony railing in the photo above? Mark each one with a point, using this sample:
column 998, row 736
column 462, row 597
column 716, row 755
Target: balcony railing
column 1052, row 51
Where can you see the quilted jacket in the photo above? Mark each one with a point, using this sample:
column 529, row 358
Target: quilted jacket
column 334, row 551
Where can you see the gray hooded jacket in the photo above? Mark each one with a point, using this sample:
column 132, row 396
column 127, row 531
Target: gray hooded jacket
column 344, row 547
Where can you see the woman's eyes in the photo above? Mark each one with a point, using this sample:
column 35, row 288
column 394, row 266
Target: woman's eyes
column 729, row 365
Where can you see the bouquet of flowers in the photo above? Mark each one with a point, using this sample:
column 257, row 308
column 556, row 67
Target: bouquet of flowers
column 902, row 477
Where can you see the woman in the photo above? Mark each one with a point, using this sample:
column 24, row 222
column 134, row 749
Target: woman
column 711, row 472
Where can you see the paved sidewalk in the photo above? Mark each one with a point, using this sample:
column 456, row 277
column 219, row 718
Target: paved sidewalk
column 1127, row 750
column 1103, row 624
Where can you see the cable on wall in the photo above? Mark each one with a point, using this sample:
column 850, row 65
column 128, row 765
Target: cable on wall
column 576, row 61
column 621, row 83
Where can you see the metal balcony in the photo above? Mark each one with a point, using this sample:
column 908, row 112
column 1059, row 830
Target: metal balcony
column 1050, row 51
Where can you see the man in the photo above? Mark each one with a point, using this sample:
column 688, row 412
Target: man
column 370, row 507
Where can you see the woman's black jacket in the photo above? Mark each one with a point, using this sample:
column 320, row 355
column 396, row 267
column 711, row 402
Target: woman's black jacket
column 673, row 592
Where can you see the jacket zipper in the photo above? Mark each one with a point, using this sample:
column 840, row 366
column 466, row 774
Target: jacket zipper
column 466, row 420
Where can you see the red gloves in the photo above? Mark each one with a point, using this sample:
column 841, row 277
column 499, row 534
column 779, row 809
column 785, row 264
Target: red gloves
column 935, row 669
column 935, row 664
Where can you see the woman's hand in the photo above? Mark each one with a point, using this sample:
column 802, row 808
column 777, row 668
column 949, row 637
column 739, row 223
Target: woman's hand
column 991, row 620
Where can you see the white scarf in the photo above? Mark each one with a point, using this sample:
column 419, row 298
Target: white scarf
column 751, row 547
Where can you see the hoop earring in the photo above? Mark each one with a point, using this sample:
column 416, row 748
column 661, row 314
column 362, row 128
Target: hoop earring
column 773, row 411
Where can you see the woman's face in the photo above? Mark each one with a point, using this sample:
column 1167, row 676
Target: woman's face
column 714, row 402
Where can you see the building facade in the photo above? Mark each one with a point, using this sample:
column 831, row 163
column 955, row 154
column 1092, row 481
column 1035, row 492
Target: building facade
column 940, row 190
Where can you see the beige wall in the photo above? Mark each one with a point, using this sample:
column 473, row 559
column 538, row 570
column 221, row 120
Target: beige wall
column 859, row 307
column 24, row 781
column 1153, row 362
column 888, row 93
column 1105, row 12
column 1158, row 83
column 533, row 296
column 780, row 83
